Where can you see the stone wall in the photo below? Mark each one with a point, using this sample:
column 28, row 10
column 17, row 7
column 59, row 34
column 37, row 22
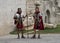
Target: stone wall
column 45, row 5
column 9, row 7
column 7, row 10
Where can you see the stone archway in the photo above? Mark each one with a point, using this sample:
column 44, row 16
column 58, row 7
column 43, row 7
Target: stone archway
column 47, row 18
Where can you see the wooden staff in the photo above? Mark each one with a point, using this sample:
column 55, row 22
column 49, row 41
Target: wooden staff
column 27, row 21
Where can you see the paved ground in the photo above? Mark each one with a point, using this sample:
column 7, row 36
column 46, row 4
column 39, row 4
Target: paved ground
column 45, row 38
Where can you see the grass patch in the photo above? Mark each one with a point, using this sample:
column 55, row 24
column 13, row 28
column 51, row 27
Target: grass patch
column 15, row 31
column 47, row 30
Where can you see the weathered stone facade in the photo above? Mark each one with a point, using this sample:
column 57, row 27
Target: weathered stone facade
column 7, row 10
column 44, row 7
column 49, row 9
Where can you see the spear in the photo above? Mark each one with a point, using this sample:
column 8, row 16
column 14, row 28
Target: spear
column 27, row 21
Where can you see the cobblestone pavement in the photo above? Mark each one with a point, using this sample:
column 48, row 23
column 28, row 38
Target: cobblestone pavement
column 45, row 38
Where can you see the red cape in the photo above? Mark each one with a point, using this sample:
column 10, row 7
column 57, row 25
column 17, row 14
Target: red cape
column 41, row 26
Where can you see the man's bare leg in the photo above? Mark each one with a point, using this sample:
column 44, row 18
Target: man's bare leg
column 34, row 36
column 18, row 33
column 22, row 33
column 39, row 34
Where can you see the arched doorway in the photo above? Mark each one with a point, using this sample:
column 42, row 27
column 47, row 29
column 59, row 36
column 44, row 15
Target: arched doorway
column 48, row 16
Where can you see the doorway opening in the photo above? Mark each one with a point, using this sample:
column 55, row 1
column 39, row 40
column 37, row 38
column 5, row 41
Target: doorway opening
column 47, row 18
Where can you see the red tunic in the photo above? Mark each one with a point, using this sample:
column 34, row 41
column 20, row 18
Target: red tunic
column 41, row 26
column 19, row 26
